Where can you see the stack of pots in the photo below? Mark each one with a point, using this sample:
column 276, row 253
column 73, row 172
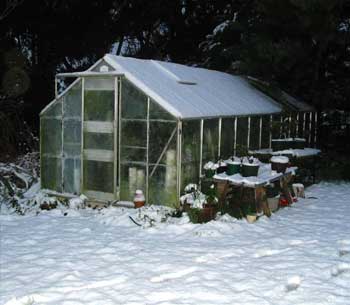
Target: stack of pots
column 279, row 163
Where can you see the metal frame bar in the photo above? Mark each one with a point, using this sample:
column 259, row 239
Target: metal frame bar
column 270, row 131
column 260, row 131
column 235, row 139
column 248, row 136
column 297, row 126
column 56, row 88
column 304, row 124
column 201, row 129
column 310, row 127
column 147, row 150
column 88, row 74
column 179, row 154
column 82, row 136
column 219, row 138
column 281, row 126
column 316, row 129
column 62, row 145
column 289, row 125
column 119, row 133
column 115, row 122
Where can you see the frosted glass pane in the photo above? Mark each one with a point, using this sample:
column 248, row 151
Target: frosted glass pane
column 51, row 173
column 98, row 140
column 72, row 102
column 162, row 186
column 134, row 133
column 134, row 101
column 71, row 137
column 55, row 109
column 99, row 83
column 71, row 178
column 254, row 132
column 98, row 176
column 160, row 133
column 51, row 136
column 210, row 140
column 190, row 152
column 227, row 137
column 157, row 112
column 99, row 105
column 133, row 177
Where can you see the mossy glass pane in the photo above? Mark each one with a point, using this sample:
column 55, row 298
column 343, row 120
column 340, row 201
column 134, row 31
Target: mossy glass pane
column 102, row 173
column 99, row 105
column 51, row 136
column 254, row 132
column 134, row 133
column 51, row 173
column 72, row 102
column 134, row 101
column 133, row 177
column 158, row 113
column 71, row 178
column 265, row 135
column 190, row 152
column 71, row 137
column 160, row 133
column 227, row 137
column 242, row 133
column 210, row 140
column 94, row 140
column 54, row 109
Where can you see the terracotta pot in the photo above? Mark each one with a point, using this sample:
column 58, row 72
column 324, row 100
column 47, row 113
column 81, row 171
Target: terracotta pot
column 208, row 212
column 139, row 204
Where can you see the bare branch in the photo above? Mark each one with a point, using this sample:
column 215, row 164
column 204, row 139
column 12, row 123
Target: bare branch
column 9, row 7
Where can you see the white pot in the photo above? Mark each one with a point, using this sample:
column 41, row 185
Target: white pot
column 251, row 218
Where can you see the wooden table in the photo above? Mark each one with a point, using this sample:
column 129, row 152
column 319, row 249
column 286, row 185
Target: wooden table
column 258, row 184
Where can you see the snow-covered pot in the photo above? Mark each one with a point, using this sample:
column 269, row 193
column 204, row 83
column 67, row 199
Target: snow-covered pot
column 233, row 166
column 139, row 199
column 222, row 167
column 282, row 144
column 210, row 169
column 279, row 163
column 250, row 167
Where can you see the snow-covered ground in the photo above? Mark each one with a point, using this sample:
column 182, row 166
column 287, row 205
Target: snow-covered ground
column 301, row 255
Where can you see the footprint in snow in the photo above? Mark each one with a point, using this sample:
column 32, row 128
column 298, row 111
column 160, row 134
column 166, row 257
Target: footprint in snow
column 339, row 269
column 344, row 251
column 293, row 283
column 172, row 275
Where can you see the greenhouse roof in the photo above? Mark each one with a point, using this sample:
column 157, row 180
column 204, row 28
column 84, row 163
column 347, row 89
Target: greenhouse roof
column 190, row 92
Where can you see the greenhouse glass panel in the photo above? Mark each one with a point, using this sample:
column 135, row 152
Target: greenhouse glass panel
column 163, row 176
column 71, row 137
column 133, row 177
column 103, row 171
column 190, row 152
column 210, row 140
column 71, row 175
column 99, row 140
column 242, row 136
column 254, row 132
column 276, row 126
column 300, row 125
column 134, row 101
column 156, row 112
column 99, row 105
column 51, row 136
column 227, row 137
column 51, row 173
column 265, row 134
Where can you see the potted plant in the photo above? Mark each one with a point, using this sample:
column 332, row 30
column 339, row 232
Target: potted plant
column 233, row 166
column 210, row 205
column 221, row 167
column 210, row 169
column 251, row 214
column 250, row 167
column 279, row 163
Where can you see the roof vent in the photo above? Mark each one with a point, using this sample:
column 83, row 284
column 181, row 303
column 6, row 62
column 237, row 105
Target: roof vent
column 172, row 74
column 104, row 68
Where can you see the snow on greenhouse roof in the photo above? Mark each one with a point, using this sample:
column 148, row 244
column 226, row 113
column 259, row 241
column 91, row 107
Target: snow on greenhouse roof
column 188, row 92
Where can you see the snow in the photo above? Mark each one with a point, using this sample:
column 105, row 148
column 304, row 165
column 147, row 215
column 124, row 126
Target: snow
column 305, row 152
column 265, row 176
column 301, row 255
column 189, row 92
column 279, row 159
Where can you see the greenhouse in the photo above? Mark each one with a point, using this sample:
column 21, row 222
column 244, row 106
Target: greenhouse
column 127, row 124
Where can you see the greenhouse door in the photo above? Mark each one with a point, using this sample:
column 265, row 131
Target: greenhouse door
column 99, row 139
